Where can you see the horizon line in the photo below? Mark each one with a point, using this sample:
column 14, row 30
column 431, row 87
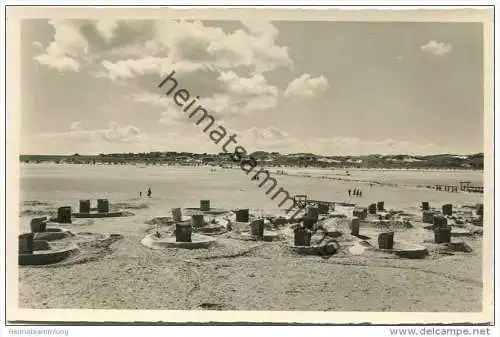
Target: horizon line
column 270, row 152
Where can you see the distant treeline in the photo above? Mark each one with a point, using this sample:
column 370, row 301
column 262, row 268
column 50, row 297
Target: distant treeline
column 440, row 161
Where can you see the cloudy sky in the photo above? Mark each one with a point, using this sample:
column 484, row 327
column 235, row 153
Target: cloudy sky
column 91, row 86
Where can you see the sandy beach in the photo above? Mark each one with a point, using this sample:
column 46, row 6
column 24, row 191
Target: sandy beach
column 244, row 275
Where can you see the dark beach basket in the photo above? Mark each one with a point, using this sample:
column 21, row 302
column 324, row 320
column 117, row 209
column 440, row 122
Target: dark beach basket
column 313, row 212
column 257, row 228
column 354, row 226
column 64, row 214
column 439, row 221
column 38, row 225
column 442, row 234
column 309, row 222
column 479, row 209
column 197, row 220
column 323, row 208
column 372, row 209
column 302, row 237
column 84, row 206
column 26, row 243
column 183, row 232
column 204, row 205
column 448, row 209
column 242, row 215
column 428, row 217
column 102, row 205
column 386, row 240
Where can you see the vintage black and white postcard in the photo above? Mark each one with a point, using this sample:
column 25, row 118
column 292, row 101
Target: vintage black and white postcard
column 250, row 165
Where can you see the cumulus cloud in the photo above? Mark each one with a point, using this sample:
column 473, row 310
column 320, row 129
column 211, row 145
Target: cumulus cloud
column 114, row 133
column 184, row 40
column 227, row 106
column 356, row 146
column 267, row 138
column 217, row 103
column 269, row 133
column 247, row 94
column 196, row 42
column 84, row 144
column 437, row 48
column 132, row 68
column 307, row 86
column 259, row 51
column 172, row 116
column 151, row 98
column 273, row 139
column 106, row 28
column 251, row 86
column 129, row 138
column 77, row 125
column 239, row 96
column 67, row 49
column 258, row 103
column 190, row 46
column 262, row 29
column 236, row 60
column 119, row 133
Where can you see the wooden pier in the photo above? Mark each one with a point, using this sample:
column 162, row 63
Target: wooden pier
column 301, row 200
column 465, row 186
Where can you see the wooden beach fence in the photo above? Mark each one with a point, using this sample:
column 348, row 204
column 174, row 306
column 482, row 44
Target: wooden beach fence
column 446, row 188
column 302, row 201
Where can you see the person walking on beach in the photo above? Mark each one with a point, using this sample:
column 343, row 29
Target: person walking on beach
column 349, row 191
column 360, row 193
column 149, row 192
column 140, row 194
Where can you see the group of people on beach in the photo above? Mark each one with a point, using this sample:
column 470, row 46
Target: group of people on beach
column 356, row 192
column 148, row 193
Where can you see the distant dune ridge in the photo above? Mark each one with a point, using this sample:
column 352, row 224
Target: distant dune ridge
column 438, row 161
